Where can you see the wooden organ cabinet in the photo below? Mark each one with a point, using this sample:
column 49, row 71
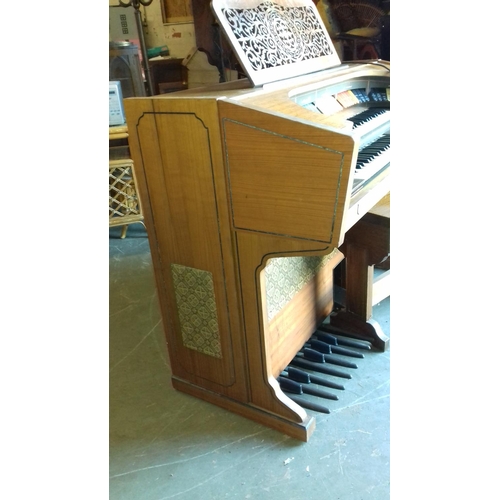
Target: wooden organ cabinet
column 249, row 188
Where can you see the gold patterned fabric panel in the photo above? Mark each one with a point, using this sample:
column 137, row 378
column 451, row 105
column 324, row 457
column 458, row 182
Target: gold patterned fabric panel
column 195, row 298
column 285, row 276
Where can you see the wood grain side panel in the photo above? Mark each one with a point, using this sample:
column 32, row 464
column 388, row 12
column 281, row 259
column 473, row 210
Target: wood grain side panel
column 299, row 319
column 180, row 152
column 285, row 177
column 280, row 185
column 253, row 250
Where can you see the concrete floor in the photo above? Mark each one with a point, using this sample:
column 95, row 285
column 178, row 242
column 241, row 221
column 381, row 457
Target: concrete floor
column 165, row 444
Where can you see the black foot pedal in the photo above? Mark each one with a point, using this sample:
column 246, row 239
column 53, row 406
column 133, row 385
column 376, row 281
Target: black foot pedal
column 309, row 405
column 339, row 350
column 346, row 352
column 330, row 331
column 318, row 357
column 308, row 378
column 326, row 337
column 325, row 348
column 289, row 385
column 318, row 367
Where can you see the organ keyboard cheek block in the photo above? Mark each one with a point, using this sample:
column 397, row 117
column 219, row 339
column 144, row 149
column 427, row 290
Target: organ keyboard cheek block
column 249, row 189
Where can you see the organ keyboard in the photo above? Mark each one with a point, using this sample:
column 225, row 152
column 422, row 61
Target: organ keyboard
column 250, row 187
column 368, row 112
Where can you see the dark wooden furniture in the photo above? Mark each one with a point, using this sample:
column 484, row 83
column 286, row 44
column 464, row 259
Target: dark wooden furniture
column 210, row 39
column 167, row 75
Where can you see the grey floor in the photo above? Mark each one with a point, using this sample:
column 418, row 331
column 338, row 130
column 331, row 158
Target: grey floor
column 165, row 444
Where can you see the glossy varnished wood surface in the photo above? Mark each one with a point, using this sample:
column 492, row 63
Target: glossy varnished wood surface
column 189, row 221
column 189, row 226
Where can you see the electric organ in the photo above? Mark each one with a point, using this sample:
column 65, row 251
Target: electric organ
column 249, row 188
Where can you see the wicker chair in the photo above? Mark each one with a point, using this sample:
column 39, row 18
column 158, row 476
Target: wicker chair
column 356, row 25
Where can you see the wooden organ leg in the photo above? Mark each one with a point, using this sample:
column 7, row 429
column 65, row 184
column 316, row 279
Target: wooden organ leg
column 365, row 245
column 270, row 346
